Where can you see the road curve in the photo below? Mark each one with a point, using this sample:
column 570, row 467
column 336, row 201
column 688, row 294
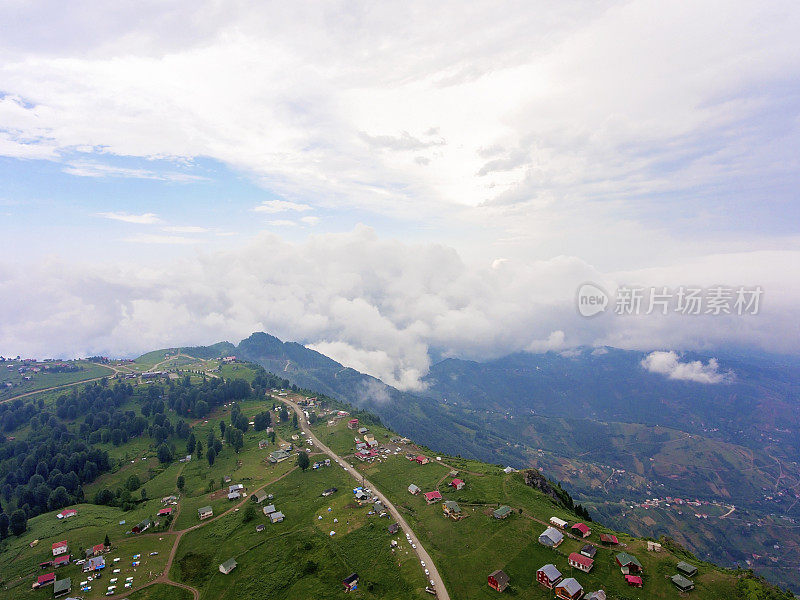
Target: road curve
column 422, row 554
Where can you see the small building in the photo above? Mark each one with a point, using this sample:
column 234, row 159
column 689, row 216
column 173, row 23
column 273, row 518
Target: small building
column 236, row 487
column 228, row 566
column 67, row 513
column 432, row 497
column 502, row 512
column 141, row 526
column 269, row 509
column 653, row 546
column 362, row 430
column 581, row 529
column 234, row 495
column 457, row 483
column 96, row 563
column 598, row 595
column 276, row 517
column 687, row 569
column 60, row 548
column 263, row 444
column 61, row 561
column 95, row 550
column 607, row 538
column 260, row 527
column 548, row 576
column 62, row 587
column 452, row 509
column 43, row 580
column 589, row 551
column 350, row 582
column 556, row 522
column 628, row 563
column 422, row 460
column 279, row 455
column 498, row 580
column 352, row 424
column 569, row 589
column 551, row 537
column 258, row 496
column 413, row 489
column 330, row 491
column 394, row 528
column 165, row 512
column 634, row 581
column 205, row 512
column 579, row 561
column 682, row 583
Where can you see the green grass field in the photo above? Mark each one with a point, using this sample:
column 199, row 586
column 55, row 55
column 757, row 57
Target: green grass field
column 161, row 591
column 44, row 380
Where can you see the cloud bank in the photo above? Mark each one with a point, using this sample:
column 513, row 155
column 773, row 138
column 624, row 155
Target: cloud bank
column 669, row 364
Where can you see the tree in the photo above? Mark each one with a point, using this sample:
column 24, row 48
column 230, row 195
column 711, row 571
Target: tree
column 143, row 493
column 199, row 449
column 294, row 420
column 19, row 522
column 249, row 513
column 104, row 497
column 107, row 542
column 133, row 482
column 181, row 483
column 222, row 428
column 3, row 525
column 164, row 454
column 59, row 498
column 262, row 420
column 302, row 460
column 211, row 455
column 284, row 414
column 190, row 444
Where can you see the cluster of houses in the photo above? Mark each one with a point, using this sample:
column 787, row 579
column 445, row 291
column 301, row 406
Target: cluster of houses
column 94, row 561
column 450, row 508
column 279, row 455
column 236, row 491
column 568, row 588
column 681, row 579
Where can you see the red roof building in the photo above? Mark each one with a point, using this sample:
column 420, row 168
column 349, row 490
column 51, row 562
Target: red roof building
column 423, row 460
column 457, row 483
column 352, row 424
column 60, row 548
column 165, row 511
column 67, row 512
column 61, row 560
column 582, row 529
column 46, row 579
column 431, row 497
column 579, row 561
column 634, row 580
column 608, row 538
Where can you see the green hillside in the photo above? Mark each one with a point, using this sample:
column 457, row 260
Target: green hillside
column 138, row 428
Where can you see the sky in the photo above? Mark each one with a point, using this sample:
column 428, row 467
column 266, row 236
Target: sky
column 392, row 182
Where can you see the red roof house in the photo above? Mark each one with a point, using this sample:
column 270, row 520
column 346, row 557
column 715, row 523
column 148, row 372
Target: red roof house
column 579, row 561
column 352, row 424
column 61, row 560
column 582, row 529
column 423, row 460
column 165, row 511
column 633, row 580
column 67, row 512
column 608, row 539
column 457, row 483
column 431, row 497
column 45, row 579
column 60, row 548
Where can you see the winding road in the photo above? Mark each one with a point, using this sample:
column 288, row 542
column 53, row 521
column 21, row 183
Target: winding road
column 422, row 554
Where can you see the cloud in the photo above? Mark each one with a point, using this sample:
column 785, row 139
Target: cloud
column 278, row 206
column 555, row 341
column 184, row 229
column 669, row 364
column 94, row 169
column 143, row 219
column 281, row 223
column 159, row 239
column 311, row 221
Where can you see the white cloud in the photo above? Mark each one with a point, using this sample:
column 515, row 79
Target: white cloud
column 555, row 341
column 99, row 170
column 281, row 223
column 184, row 229
column 278, row 206
column 669, row 364
column 143, row 219
column 152, row 238
column 311, row 221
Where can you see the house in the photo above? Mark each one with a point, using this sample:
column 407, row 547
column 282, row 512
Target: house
column 67, row 513
column 330, row 491
column 205, row 512
column 228, row 566
column 556, row 522
column 369, row 438
column 579, row 561
column 352, row 424
column 278, row 455
column 62, row 560
column 142, row 526
column 653, row 546
column 62, row 587
column 452, row 509
column 276, row 517
column 96, row 563
column 589, row 551
column 169, row 499
column 508, row 470
column 165, row 512
column 227, row 479
column 634, row 581
column 502, row 512
column 413, row 489
column 95, row 550
column 606, row 538
column 258, row 496
column 628, row 563
column 261, row 527
column 548, row 576
column 350, row 582
column 423, row 460
column 682, row 583
column 432, row 497
column 269, row 509
column 569, row 589
column 236, row 487
column 234, row 495
column 263, row 444
column 551, row 537
column 60, row 548
column 457, row 483
column 581, row 530
column 598, row 595
column 394, row 528
column 362, row 430
column 687, row 569
column 498, row 580
column 185, row 459
column 45, row 579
